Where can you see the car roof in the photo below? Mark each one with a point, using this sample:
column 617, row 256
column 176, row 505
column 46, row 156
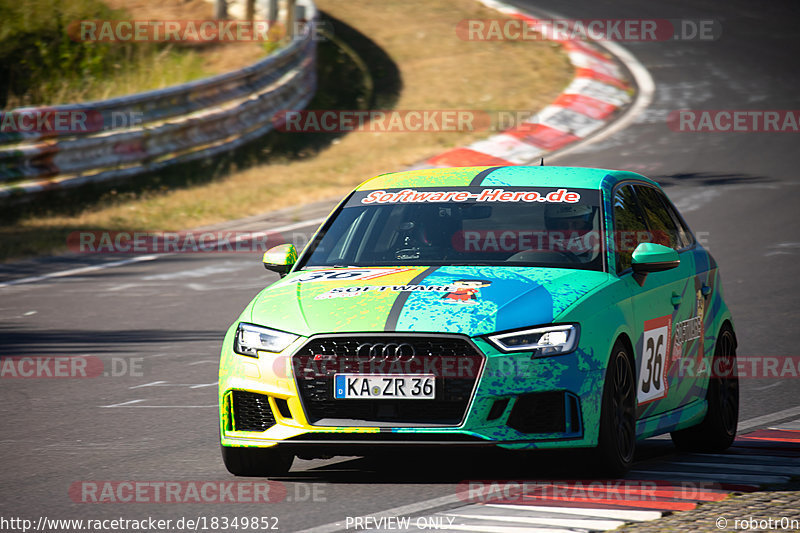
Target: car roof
column 509, row 176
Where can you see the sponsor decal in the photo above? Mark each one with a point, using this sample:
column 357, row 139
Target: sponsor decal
column 347, row 292
column 701, row 312
column 346, row 274
column 463, row 291
column 411, row 196
column 688, row 330
column 652, row 370
column 466, row 292
column 685, row 331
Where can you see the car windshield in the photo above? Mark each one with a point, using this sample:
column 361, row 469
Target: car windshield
column 509, row 226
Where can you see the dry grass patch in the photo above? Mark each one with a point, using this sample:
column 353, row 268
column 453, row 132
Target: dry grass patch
column 439, row 71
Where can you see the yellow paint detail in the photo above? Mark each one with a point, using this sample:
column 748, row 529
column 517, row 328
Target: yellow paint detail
column 251, row 370
column 434, row 177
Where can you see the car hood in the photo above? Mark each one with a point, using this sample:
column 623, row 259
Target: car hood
column 465, row 299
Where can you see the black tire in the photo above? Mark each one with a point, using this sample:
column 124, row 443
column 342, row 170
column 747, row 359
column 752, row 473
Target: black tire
column 617, row 441
column 256, row 462
column 718, row 429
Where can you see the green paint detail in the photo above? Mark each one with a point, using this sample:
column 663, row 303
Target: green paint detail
column 513, row 297
column 283, row 254
column 293, row 306
column 516, row 176
column 648, row 252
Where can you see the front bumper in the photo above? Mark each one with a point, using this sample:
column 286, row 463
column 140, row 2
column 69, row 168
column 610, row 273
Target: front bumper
column 515, row 402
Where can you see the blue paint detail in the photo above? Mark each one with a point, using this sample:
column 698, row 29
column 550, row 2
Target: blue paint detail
column 701, row 261
column 517, row 297
column 339, row 387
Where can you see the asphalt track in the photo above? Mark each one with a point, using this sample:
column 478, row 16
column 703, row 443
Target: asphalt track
column 165, row 317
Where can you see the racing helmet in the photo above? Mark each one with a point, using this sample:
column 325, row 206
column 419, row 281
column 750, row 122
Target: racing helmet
column 573, row 217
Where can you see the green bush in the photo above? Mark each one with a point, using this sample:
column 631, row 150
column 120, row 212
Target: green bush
column 41, row 65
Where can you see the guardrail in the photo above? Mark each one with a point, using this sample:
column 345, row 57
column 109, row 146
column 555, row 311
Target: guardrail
column 176, row 124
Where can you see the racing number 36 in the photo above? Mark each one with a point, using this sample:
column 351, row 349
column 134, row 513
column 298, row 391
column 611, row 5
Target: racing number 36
column 655, row 340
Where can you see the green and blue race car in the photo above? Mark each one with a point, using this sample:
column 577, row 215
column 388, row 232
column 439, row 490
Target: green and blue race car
column 519, row 307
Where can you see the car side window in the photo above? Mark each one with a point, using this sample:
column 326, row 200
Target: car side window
column 685, row 236
column 662, row 226
column 629, row 226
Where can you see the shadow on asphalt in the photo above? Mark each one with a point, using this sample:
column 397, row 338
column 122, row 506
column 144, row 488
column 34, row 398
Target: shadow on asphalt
column 18, row 342
column 452, row 467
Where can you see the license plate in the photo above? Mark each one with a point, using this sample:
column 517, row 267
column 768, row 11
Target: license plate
column 384, row 386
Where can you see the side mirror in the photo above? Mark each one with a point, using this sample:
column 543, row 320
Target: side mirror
column 649, row 257
column 280, row 258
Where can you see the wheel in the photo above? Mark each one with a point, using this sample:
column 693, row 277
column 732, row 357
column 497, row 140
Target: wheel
column 256, row 462
column 718, row 429
column 617, row 441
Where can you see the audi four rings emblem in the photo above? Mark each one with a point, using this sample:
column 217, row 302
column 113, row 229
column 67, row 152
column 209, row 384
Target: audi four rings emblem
column 389, row 352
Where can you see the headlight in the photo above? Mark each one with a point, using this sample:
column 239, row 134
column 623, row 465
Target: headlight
column 252, row 339
column 545, row 341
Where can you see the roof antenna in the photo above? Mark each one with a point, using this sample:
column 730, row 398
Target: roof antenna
column 541, row 163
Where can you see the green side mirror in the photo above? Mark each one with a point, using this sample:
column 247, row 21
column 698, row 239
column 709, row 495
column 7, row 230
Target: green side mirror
column 649, row 257
column 280, row 258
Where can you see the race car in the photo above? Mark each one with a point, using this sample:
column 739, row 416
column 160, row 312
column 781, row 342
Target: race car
column 520, row 307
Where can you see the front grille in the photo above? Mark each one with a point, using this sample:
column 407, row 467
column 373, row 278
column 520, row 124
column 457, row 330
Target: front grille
column 454, row 362
column 251, row 411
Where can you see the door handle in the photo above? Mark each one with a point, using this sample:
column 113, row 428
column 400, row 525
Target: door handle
column 705, row 290
column 676, row 299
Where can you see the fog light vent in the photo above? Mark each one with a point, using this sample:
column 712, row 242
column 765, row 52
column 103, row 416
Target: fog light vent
column 539, row 412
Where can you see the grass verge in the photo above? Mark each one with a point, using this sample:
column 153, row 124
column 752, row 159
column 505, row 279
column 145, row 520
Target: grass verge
column 415, row 60
column 43, row 63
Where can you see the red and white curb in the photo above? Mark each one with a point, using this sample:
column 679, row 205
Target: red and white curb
column 597, row 93
column 650, row 491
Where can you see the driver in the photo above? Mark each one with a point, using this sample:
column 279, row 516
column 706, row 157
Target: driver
column 570, row 229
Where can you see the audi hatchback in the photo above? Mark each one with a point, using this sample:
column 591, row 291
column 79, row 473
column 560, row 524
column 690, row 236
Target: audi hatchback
column 518, row 307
